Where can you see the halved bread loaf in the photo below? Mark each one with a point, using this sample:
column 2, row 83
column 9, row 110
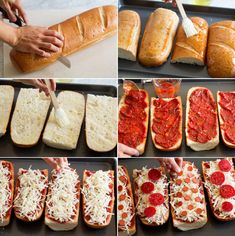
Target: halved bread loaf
column 66, row 137
column 101, row 123
column 202, row 130
column 129, row 26
column 6, row 101
column 29, row 117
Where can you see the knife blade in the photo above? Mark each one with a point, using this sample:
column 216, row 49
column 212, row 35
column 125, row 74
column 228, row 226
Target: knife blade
column 65, row 61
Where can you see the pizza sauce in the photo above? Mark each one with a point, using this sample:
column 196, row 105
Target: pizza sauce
column 133, row 115
column 151, row 195
column 220, row 184
column 202, row 117
column 227, row 113
column 126, row 210
column 166, row 122
column 188, row 199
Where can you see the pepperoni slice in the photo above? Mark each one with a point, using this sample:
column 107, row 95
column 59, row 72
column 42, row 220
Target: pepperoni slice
column 194, row 190
column 195, row 180
column 227, row 206
column 147, row 187
column 179, row 204
column 185, row 189
column 122, row 197
column 123, row 179
column 217, row 178
column 124, row 215
column 121, row 222
column 187, row 198
column 179, row 194
column 154, row 174
column 180, row 173
column 190, row 168
column 178, row 181
column 183, row 213
column 156, row 199
column 198, row 199
column 120, row 207
column 227, row 191
column 199, row 211
column 149, row 211
column 120, row 188
column 187, row 180
column 224, row 165
column 190, row 207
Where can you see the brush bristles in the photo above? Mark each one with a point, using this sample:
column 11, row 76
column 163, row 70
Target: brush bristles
column 189, row 27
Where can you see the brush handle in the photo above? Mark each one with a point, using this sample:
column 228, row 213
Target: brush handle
column 181, row 9
column 52, row 94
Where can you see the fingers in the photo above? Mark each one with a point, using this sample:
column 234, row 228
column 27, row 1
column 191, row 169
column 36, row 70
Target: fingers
column 21, row 12
column 52, row 40
column 42, row 86
column 48, row 46
column 9, row 11
column 40, row 52
column 55, row 34
column 179, row 161
column 53, row 88
column 50, row 161
column 127, row 150
column 174, row 166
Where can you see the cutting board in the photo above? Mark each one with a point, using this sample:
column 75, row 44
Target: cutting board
column 96, row 61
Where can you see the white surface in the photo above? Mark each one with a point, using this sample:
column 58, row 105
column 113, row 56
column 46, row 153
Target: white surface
column 97, row 61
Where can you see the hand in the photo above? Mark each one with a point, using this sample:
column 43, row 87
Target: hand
column 14, row 8
column 38, row 40
column 172, row 1
column 173, row 165
column 125, row 151
column 56, row 163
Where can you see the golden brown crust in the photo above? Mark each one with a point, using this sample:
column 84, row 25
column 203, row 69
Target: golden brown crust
column 79, row 32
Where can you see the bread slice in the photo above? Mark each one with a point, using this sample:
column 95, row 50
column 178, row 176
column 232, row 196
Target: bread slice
column 142, row 199
column 191, row 220
column 215, row 195
column 6, row 101
column 30, row 194
column 98, row 198
column 101, row 123
column 63, row 200
column 221, row 120
column 178, row 143
column 130, row 222
column 7, row 191
column 129, row 26
column 29, row 117
column 197, row 146
column 141, row 146
column 73, row 104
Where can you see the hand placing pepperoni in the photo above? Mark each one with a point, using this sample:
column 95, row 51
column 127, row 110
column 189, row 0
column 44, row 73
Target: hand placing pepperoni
column 125, row 151
column 173, row 165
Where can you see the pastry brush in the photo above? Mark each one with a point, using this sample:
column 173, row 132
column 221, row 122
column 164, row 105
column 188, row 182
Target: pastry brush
column 187, row 24
column 60, row 116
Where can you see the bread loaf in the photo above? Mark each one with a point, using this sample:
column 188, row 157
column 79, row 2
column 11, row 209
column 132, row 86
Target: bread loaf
column 73, row 104
column 79, row 32
column 221, row 50
column 29, row 117
column 158, row 37
column 191, row 50
column 101, row 123
column 6, row 101
column 129, row 26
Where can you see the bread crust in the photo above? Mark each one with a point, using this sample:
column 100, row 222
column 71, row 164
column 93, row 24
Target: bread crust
column 196, row 146
column 7, row 219
column 79, row 32
column 156, row 44
column 132, row 230
column 178, row 144
column 39, row 213
column 140, row 147
column 129, row 26
column 97, row 226
column 191, row 50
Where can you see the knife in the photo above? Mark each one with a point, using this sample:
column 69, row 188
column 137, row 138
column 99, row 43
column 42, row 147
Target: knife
column 65, row 61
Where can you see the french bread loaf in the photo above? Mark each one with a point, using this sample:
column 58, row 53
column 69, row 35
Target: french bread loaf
column 191, row 50
column 29, row 117
column 6, row 101
column 129, row 26
column 79, row 32
column 101, row 122
column 158, row 37
column 73, row 104
column 221, row 50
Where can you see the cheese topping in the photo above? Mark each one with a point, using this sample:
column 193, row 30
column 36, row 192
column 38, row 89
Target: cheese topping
column 188, row 200
column 62, row 201
column 126, row 203
column 97, row 197
column 29, row 199
column 5, row 191
column 160, row 186
column 217, row 199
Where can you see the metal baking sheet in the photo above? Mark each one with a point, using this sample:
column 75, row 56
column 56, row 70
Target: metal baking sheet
column 214, row 85
column 144, row 8
column 20, row 228
column 213, row 226
column 7, row 148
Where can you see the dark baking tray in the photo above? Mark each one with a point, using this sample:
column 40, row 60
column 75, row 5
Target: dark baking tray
column 20, row 228
column 144, row 8
column 213, row 226
column 214, row 85
column 7, row 148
